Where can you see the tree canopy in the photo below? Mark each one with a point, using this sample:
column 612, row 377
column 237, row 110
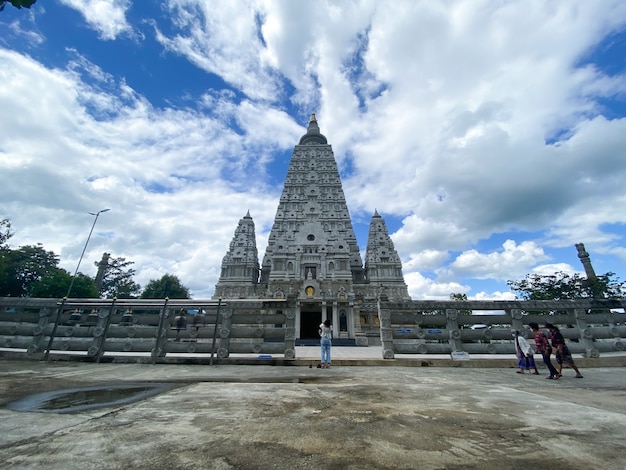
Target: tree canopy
column 21, row 268
column 32, row 271
column 168, row 286
column 460, row 297
column 17, row 3
column 117, row 279
column 5, row 233
column 56, row 283
column 561, row 286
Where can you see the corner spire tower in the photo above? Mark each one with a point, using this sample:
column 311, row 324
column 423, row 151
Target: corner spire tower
column 240, row 266
column 382, row 263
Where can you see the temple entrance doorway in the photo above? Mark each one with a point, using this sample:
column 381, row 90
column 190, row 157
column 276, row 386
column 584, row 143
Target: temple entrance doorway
column 310, row 319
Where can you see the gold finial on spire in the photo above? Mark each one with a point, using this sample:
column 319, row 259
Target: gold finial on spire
column 313, row 117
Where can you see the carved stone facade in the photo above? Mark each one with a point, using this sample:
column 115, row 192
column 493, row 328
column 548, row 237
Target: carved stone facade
column 312, row 252
column 240, row 266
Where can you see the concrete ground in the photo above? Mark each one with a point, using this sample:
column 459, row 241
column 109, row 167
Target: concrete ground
column 296, row 417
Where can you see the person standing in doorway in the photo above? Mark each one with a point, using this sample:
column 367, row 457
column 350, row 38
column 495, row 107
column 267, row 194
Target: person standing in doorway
column 542, row 345
column 562, row 351
column 326, row 333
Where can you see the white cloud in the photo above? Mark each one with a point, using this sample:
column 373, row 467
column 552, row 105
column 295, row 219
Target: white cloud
column 425, row 260
column 161, row 172
column 549, row 269
column 20, row 31
column 108, row 17
column 223, row 38
column 438, row 114
column 497, row 295
column 510, row 263
column 423, row 288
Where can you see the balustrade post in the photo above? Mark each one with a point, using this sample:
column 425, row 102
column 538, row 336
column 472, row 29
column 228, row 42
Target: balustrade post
column 223, row 324
column 54, row 328
column 160, row 344
column 386, row 333
column 585, row 333
column 105, row 322
column 290, row 331
column 454, row 333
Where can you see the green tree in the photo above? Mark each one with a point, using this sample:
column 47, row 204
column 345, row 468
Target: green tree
column 117, row 279
column 460, row 297
column 20, row 268
column 5, row 256
column 561, row 286
column 5, row 233
column 17, row 3
column 168, row 286
column 56, row 283
column 31, row 271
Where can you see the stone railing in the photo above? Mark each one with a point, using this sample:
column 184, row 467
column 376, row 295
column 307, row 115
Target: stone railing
column 484, row 327
column 41, row 328
column 96, row 328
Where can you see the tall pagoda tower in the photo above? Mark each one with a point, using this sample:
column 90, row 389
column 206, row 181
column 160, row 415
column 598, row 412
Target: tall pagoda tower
column 312, row 250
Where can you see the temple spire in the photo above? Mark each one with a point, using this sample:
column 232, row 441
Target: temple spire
column 240, row 266
column 313, row 135
column 382, row 263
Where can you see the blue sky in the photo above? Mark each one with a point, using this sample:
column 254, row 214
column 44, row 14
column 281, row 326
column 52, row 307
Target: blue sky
column 491, row 136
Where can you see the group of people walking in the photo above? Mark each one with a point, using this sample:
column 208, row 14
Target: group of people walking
column 545, row 346
column 526, row 362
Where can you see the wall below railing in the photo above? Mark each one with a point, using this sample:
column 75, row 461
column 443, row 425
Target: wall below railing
column 484, row 327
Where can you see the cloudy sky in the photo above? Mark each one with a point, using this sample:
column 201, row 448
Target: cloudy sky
column 491, row 136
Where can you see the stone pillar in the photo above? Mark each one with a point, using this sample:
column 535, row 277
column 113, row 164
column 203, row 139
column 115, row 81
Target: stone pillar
column 38, row 343
column 105, row 317
column 297, row 321
column 516, row 320
column 224, row 331
column 586, row 333
column 290, row 332
column 103, row 265
column 454, row 333
column 160, row 345
column 586, row 261
column 386, row 333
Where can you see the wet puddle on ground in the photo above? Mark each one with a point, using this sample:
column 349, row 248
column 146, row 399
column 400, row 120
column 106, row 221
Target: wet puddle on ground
column 87, row 398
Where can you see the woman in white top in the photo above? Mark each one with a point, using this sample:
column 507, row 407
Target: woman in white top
column 326, row 332
column 525, row 360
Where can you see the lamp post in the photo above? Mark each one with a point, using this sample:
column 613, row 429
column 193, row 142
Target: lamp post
column 96, row 214
column 60, row 309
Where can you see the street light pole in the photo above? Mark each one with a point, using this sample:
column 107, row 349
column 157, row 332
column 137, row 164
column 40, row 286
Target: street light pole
column 60, row 309
column 96, row 214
